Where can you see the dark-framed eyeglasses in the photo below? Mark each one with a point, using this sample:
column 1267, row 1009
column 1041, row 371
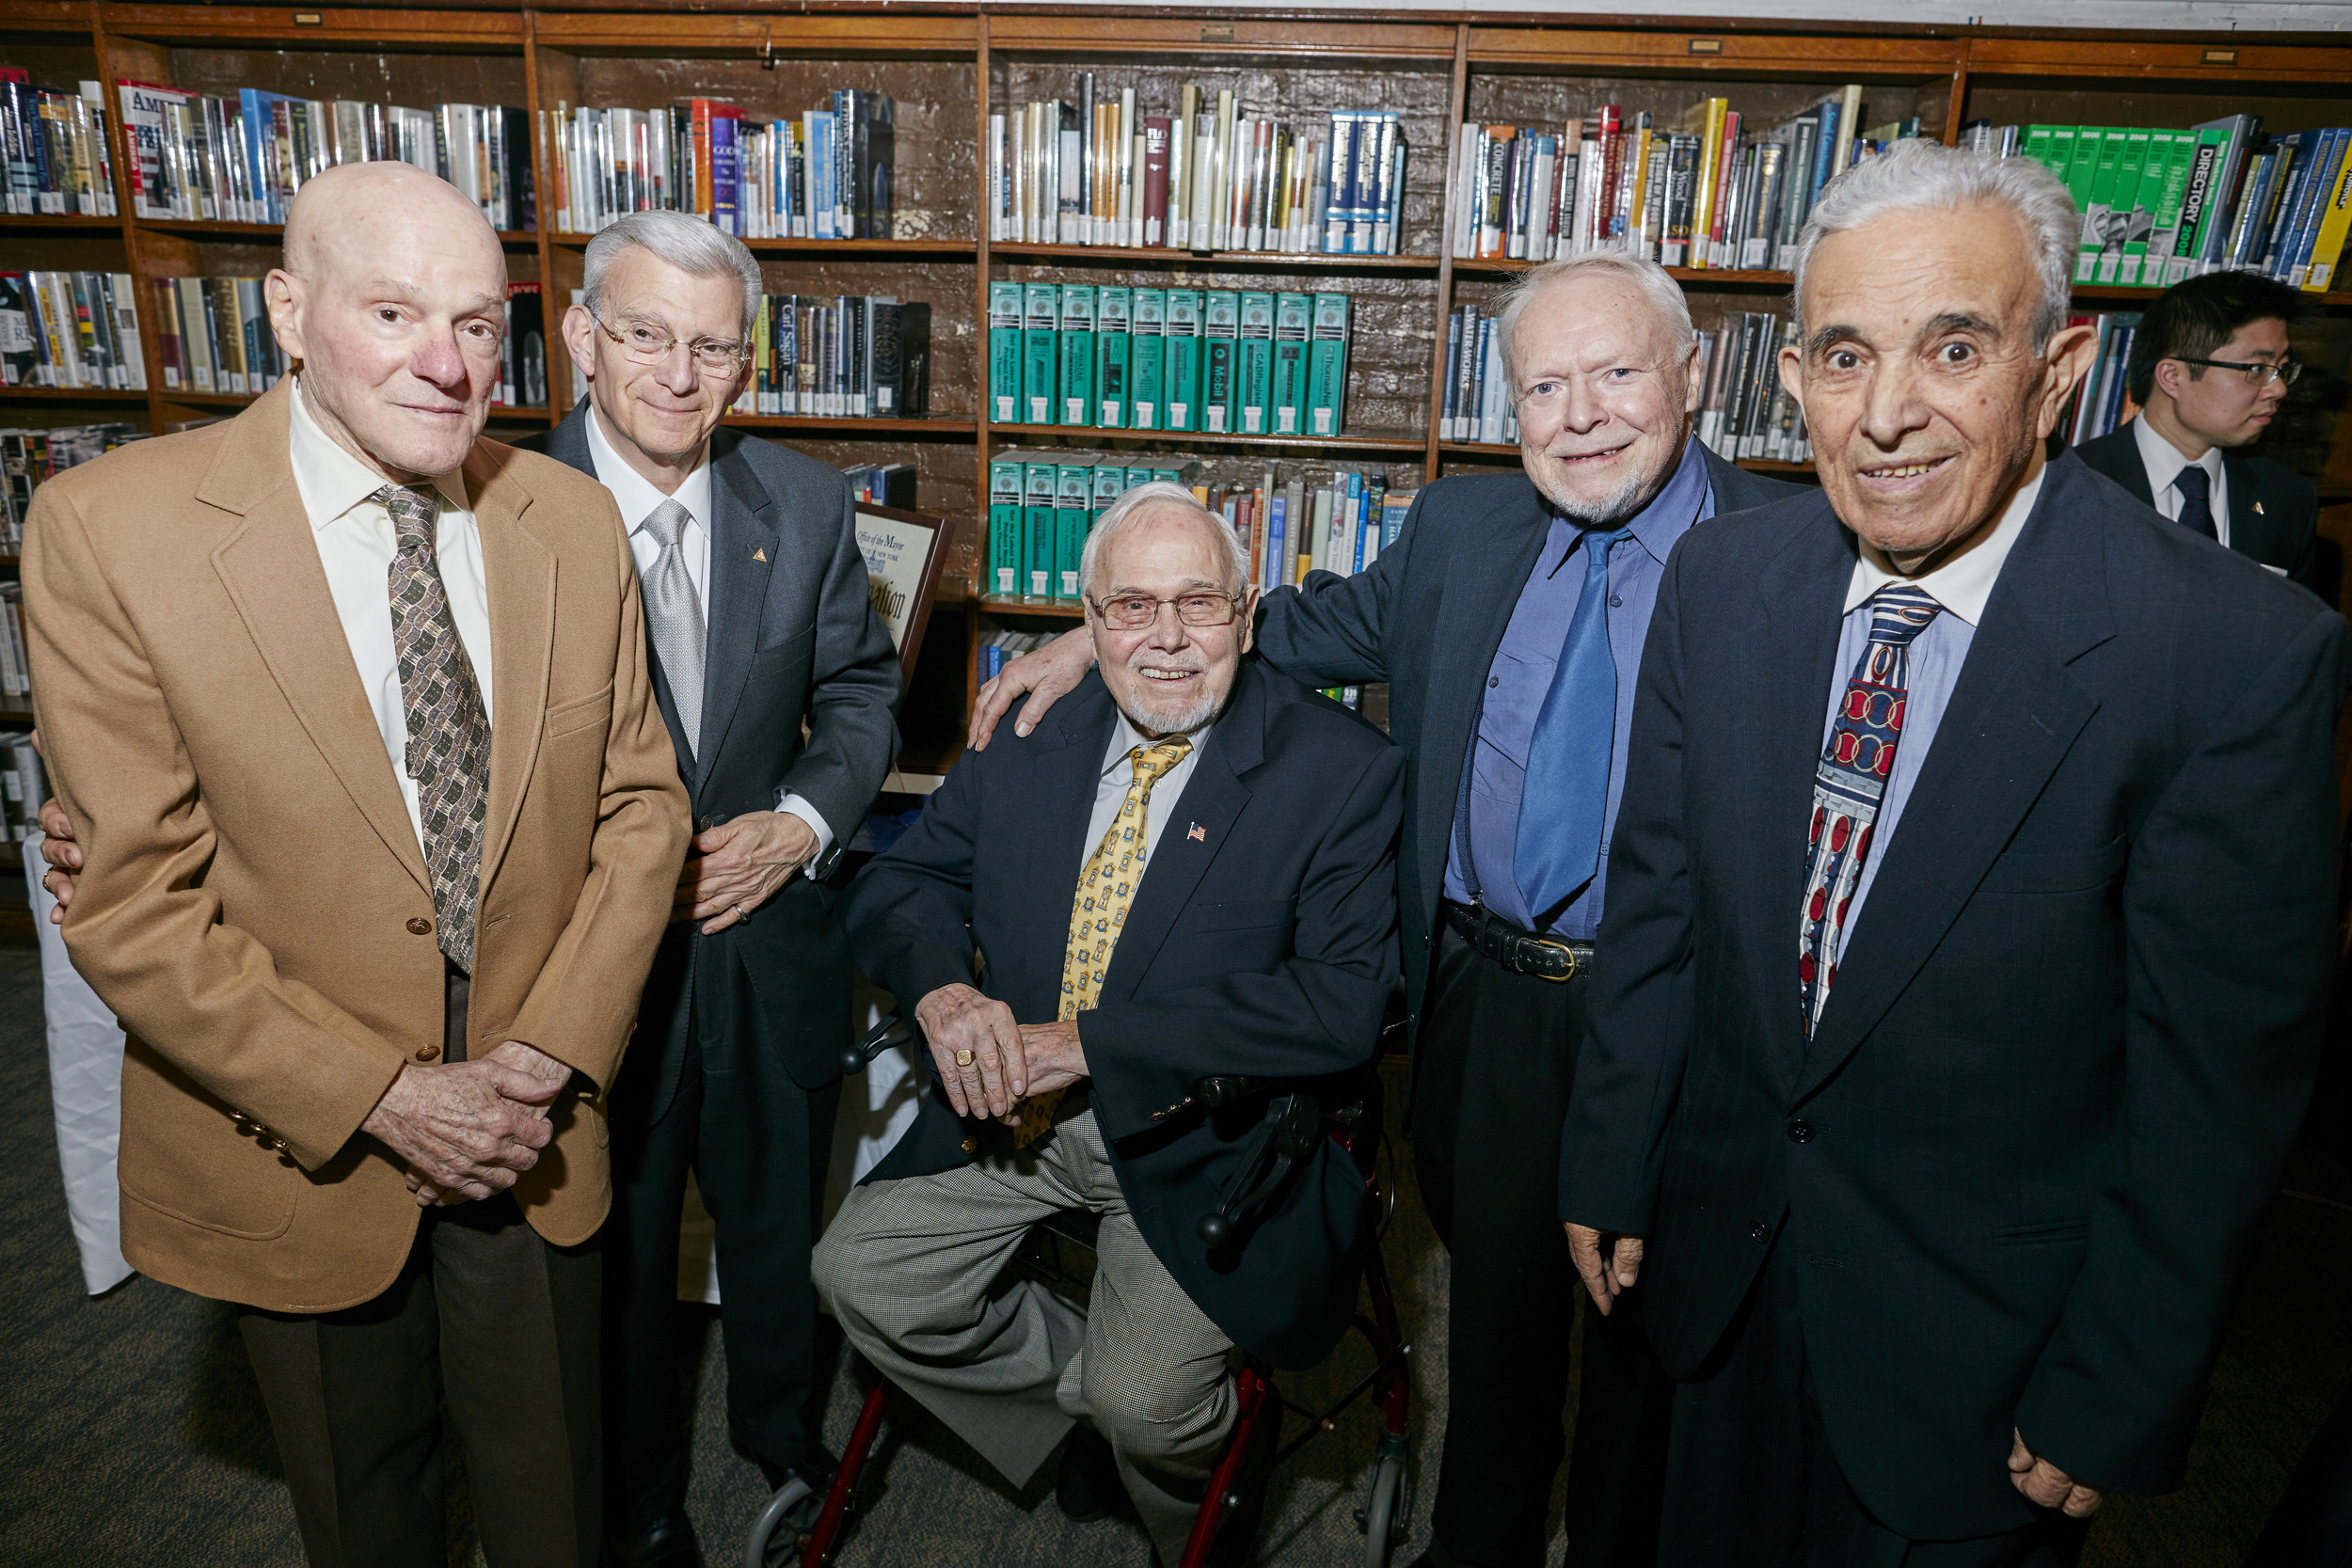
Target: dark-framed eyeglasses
column 1135, row 612
column 2259, row 372
column 644, row 344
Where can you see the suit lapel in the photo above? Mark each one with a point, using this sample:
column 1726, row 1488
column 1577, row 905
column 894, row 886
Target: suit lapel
column 1212, row 801
column 1482, row 588
column 2013, row 716
column 1801, row 597
column 2250, row 531
column 270, row 567
column 743, row 550
column 520, row 570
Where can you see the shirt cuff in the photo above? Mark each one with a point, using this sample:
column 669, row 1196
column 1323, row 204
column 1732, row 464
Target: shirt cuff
column 786, row 800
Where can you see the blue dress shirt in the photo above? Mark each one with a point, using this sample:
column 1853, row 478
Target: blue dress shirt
column 1521, row 675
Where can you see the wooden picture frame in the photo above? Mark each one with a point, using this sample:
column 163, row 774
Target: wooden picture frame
column 903, row 551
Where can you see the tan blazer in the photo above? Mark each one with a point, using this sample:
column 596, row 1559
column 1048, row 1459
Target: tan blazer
column 255, row 905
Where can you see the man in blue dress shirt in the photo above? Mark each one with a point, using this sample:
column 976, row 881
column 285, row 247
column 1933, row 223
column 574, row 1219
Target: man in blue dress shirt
column 1508, row 618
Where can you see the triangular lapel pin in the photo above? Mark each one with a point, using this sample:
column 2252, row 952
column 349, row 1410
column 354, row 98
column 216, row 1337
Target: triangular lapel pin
column 759, row 555
column 2258, row 508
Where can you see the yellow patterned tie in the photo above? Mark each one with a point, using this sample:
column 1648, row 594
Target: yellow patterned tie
column 1106, row 890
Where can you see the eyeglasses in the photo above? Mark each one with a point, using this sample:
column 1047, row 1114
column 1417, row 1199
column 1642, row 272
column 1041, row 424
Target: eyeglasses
column 1135, row 612
column 645, row 345
column 2259, row 374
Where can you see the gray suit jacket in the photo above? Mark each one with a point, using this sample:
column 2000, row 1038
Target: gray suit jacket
column 793, row 639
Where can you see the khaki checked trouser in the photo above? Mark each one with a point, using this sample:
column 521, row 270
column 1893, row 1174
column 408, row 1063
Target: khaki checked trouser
column 915, row 1270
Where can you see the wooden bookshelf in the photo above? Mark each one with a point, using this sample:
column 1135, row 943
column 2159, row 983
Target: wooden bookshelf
column 947, row 64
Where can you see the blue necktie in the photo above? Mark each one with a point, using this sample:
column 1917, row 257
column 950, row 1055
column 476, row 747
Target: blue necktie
column 1566, row 793
column 2196, row 488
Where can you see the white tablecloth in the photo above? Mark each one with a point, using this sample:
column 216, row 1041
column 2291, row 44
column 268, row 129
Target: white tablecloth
column 86, row 1092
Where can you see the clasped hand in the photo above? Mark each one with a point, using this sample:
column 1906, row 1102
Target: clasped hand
column 468, row 1129
column 1002, row 1063
column 739, row 865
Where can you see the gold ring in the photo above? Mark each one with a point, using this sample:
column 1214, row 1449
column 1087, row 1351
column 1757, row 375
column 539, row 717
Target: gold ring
column 963, row 1058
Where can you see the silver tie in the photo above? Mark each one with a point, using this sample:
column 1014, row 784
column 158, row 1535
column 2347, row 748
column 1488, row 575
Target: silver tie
column 675, row 616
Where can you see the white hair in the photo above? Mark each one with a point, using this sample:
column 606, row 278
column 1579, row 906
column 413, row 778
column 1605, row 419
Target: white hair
column 1916, row 174
column 687, row 243
column 1159, row 495
column 1654, row 281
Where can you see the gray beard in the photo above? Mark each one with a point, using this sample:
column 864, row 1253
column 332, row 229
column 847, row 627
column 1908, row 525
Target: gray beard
column 1616, row 508
column 1201, row 712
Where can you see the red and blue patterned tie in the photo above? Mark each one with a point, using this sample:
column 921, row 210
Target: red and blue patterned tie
column 1849, row 783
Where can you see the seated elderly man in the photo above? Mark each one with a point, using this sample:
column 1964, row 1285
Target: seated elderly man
column 1188, row 870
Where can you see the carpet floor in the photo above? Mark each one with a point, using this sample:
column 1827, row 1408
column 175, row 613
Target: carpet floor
column 132, row 1433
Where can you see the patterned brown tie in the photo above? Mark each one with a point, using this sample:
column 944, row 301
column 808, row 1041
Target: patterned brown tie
column 449, row 735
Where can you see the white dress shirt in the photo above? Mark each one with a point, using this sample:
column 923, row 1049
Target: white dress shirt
column 1118, row 771
column 354, row 534
column 638, row 500
column 1962, row 586
column 2164, row 463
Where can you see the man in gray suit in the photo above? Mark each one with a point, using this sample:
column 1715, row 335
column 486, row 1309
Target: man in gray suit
column 759, row 624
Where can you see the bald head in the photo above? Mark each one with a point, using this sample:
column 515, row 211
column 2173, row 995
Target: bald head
column 392, row 298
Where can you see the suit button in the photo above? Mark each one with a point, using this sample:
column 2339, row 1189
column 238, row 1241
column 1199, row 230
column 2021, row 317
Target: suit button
column 1800, row 1131
column 419, row 925
column 1760, row 1232
column 971, row 1146
column 428, row 1053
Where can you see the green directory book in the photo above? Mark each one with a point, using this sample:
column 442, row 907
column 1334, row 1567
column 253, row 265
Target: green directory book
column 1109, row 480
column 1036, row 532
column 1074, row 499
column 1221, row 335
column 1004, row 353
column 2155, row 163
column 1292, row 316
column 1182, row 474
column 1077, row 354
column 1041, row 354
column 1147, row 360
column 2115, row 235
column 1184, row 360
column 2099, row 200
column 1004, row 527
column 1327, row 366
column 1137, row 476
column 1112, row 304
column 2164, row 233
column 1253, row 383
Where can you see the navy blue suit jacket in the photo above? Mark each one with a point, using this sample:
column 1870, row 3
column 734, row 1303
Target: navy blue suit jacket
column 2074, row 1026
column 1261, row 944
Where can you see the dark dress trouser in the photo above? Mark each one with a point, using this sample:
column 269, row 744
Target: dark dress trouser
column 758, row 1145
column 1497, row 1053
column 486, row 1316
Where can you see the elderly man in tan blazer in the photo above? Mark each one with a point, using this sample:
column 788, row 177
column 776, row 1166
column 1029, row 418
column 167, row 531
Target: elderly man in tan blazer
column 349, row 709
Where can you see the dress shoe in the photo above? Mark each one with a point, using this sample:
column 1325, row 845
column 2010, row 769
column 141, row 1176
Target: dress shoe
column 667, row 1543
column 1088, row 1486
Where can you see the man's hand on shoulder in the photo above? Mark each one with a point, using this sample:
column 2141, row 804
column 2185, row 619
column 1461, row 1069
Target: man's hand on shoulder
column 63, row 855
column 1047, row 676
column 739, row 865
column 465, row 1129
column 2047, row 1487
column 1609, row 1265
column 977, row 1050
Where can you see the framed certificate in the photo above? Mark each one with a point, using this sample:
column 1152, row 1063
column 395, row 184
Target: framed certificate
column 902, row 551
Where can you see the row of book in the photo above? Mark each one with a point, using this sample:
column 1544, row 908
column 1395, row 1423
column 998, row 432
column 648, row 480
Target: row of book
column 54, row 149
column 883, row 483
column 834, row 356
column 1707, row 192
column 1744, row 412
column 1004, row 645
column 214, row 335
column 241, row 159
column 823, row 176
column 69, row 329
column 1218, row 362
column 16, row 675
column 23, row 785
column 30, row 457
column 2161, row 205
column 1208, row 176
column 2102, row 402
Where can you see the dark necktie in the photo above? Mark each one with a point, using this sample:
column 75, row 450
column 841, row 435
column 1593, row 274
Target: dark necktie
column 449, row 734
column 2196, row 488
column 1849, row 782
column 1564, row 798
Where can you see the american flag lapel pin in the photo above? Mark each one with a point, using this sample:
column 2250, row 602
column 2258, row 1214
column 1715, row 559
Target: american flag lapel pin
column 760, row 555
column 1199, row 835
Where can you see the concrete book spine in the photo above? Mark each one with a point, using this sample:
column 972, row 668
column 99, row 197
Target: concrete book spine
column 1041, row 353
column 1254, row 388
column 1183, row 378
column 1113, row 351
column 1004, row 353
column 1004, row 527
column 1327, row 366
column 1220, row 333
column 1036, row 532
column 1077, row 355
column 1147, row 360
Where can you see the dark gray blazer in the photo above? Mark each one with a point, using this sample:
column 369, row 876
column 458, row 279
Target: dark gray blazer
column 2020, row 1162
column 2274, row 511
column 1426, row 617
column 793, row 638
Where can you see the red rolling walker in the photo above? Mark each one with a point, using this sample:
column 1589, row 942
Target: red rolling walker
column 1292, row 1122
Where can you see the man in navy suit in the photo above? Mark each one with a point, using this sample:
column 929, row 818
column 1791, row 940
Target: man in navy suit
column 1968, row 935
column 1188, row 872
column 1507, row 619
column 778, row 684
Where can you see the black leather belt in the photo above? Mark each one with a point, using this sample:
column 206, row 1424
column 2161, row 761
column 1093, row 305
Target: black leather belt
column 1514, row 947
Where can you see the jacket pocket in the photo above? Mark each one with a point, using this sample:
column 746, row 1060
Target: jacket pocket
column 2036, row 1235
column 182, row 1156
column 588, row 711
column 1245, row 914
column 2030, row 871
column 778, row 657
